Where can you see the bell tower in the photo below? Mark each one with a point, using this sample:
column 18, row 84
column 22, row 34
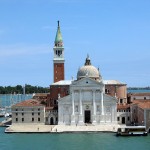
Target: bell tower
column 58, row 60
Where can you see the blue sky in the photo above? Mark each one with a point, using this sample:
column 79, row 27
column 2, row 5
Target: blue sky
column 115, row 34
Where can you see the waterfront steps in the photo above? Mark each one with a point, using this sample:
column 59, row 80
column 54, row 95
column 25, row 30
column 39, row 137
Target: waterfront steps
column 61, row 128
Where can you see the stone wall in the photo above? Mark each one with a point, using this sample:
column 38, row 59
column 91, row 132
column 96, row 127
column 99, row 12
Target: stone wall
column 29, row 115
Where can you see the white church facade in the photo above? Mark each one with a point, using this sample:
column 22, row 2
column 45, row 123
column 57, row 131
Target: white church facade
column 87, row 102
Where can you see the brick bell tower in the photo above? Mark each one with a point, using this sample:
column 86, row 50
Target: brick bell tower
column 58, row 56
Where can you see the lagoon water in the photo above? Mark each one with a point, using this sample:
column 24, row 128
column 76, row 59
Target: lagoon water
column 80, row 141
column 64, row 141
column 10, row 99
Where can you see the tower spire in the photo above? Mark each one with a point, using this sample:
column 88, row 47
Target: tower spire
column 58, row 38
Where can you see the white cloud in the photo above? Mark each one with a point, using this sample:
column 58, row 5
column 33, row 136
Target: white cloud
column 20, row 49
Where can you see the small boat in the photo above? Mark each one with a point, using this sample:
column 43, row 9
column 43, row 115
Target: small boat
column 2, row 112
column 8, row 111
column 6, row 122
column 132, row 131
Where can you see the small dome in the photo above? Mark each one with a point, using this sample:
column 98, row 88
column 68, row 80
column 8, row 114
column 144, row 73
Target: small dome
column 88, row 71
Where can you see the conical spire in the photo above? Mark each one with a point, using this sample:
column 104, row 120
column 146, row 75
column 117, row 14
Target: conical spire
column 58, row 38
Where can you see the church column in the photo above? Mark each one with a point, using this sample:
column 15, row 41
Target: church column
column 102, row 103
column 80, row 103
column 80, row 115
column 60, row 114
column 94, row 108
column 94, row 105
column 72, row 102
column 73, row 114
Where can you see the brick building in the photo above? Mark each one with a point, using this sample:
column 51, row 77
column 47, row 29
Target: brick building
column 140, row 112
column 137, row 96
column 117, row 89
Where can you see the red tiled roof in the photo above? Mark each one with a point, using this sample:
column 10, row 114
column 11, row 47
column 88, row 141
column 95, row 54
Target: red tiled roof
column 139, row 101
column 123, row 106
column 142, row 103
column 27, row 103
column 139, row 94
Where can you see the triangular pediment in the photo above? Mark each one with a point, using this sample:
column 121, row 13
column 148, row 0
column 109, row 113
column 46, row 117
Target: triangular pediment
column 86, row 82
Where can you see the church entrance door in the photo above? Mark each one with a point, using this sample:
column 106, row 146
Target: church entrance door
column 87, row 116
column 123, row 120
column 51, row 121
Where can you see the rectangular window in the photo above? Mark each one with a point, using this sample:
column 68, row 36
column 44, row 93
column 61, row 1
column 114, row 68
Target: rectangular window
column 106, row 91
column 32, row 114
column 55, row 102
column 22, row 114
column 38, row 109
column 118, row 118
column 16, row 119
column 121, row 101
column 128, row 118
column 16, row 114
column 22, row 119
column 32, row 119
column 38, row 119
column 39, row 114
column 16, row 109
